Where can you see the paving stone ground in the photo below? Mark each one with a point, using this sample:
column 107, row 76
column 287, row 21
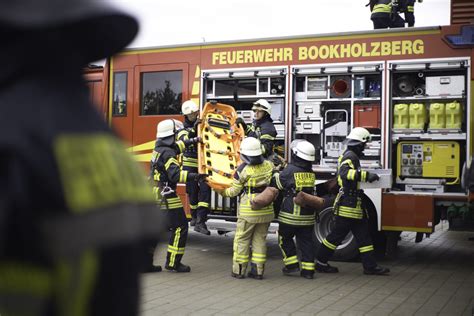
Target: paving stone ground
column 434, row 277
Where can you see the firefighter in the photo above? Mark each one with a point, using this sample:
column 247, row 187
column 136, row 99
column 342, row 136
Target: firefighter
column 296, row 221
column 199, row 193
column 167, row 173
column 385, row 14
column 348, row 208
column 251, row 178
column 262, row 127
column 409, row 12
column 75, row 208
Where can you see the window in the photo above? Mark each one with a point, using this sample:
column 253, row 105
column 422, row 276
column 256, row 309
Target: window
column 161, row 92
column 119, row 104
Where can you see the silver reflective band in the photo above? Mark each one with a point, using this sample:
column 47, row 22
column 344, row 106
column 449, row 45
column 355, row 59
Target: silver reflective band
column 71, row 234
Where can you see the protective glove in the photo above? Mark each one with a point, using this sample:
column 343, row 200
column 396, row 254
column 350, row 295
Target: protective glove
column 192, row 141
column 240, row 121
column 371, row 177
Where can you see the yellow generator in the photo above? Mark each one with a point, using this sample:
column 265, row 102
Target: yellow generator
column 429, row 159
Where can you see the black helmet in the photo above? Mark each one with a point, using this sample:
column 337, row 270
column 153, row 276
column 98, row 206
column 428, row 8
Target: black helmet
column 98, row 29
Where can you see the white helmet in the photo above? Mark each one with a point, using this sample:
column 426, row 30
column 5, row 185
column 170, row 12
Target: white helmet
column 303, row 149
column 189, row 107
column 251, row 147
column 167, row 128
column 358, row 135
column 263, row 105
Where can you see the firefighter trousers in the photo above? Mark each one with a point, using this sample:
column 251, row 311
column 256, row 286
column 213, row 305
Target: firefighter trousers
column 250, row 235
column 304, row 242
column 199, row 195
column 177, row 225
column 360, row 230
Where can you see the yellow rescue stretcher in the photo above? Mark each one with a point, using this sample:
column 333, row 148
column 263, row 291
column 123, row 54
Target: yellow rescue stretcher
column 219, row 152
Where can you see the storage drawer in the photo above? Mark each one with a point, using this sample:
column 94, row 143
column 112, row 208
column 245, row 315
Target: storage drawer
column 309, row 110
column 247, row 116
column 445, row 85
column 308, row 127
column 367, row 115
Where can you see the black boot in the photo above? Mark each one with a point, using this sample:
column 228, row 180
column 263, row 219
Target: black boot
column 193, row 221
column 179, row 268
column 201, row 227
column 292, row 268
column 253, row 273
column 238, row 276
column 321, row 268
column 307, row 274
column 377, row 270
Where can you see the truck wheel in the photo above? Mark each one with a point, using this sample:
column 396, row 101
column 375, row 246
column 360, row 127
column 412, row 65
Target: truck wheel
column 348, row 249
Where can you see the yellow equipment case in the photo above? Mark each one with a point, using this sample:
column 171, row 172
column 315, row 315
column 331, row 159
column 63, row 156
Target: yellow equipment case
column 219, row 152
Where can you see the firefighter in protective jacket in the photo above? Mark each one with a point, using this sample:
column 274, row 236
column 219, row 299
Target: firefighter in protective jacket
column 251, row 178
column 75, row 208
column 385, row 14
column 167, row 173
column 348, row 208
column 296, row 221
column 199, row 193
column 409, row 12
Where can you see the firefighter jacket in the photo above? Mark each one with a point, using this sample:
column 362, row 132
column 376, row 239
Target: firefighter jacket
column 348, row 202
column 251, row 180
column 265, row 131
column 190, row 154
column 167, row 173
column 380, row 8
column 296, row 177
column 74, row 205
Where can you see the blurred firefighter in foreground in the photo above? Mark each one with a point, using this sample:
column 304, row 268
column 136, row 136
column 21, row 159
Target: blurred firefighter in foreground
column 251, row 177
column 75, row 208
column 295, row 220
column 167, row 173
column 385, row 13
column 199, row 193
column 348, row 208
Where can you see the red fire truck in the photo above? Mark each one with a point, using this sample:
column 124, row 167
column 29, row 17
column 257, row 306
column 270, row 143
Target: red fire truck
column 410, row 87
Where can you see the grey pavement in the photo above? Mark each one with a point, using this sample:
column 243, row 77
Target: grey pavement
column 434, row 277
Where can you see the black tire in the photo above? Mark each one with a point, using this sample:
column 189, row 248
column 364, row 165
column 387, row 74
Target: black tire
column 348, row 249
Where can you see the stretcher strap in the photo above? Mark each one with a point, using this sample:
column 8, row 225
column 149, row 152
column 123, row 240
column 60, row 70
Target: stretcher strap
column 222, row 173
column 222, row 152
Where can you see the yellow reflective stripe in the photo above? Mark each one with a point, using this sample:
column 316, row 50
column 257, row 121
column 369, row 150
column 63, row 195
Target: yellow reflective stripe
column 180, row 145
column 203, row 204
column 183, row 176
column 307, row 265
column 97, row 172
column 383, row 8
column 351, row 174
column 193, row 206
column 175, row 245
column 290, row 260
column 349, row 162
column 259, row 257
column 76, row 279
column 240, row 258
column 411, row 8
column 329, row 245
column 16, row 277
column 267, row 136
column 190, row 159
column 176, row 250
column 278, row 181
column 183, row 133
column 363, row 176
column 171, row 161
column 349, row 215
column 190, row 164
column 366, row 249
